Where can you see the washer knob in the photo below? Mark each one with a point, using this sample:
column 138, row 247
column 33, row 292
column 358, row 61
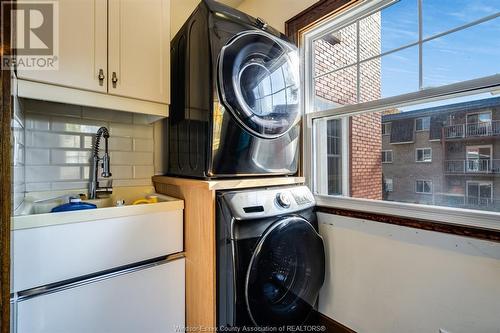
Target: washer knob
column 283, row 200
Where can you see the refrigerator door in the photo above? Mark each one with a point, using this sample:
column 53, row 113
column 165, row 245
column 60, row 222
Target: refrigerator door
column 146, row 300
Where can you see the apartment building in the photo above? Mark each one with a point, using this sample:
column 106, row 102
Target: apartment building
column 447, row 155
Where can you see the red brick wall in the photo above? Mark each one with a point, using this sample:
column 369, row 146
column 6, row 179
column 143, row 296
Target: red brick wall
column 341, row 88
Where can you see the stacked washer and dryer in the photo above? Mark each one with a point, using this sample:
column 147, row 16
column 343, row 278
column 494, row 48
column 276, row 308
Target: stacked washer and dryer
column 235, row 112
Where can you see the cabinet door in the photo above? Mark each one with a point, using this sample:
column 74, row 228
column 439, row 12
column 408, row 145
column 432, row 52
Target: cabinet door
column 82, row 47
column 147, row 300
column 139, row 51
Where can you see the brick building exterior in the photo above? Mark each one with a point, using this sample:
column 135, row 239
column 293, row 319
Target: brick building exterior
column 462, row 165
column 339, row 50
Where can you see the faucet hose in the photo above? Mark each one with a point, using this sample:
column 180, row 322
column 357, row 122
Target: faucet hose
column 101, row 132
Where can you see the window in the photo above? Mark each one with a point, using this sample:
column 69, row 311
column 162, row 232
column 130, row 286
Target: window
column 332, row 156
column 422, row 124
column 479, row 193
column 423, row 154
column 423, row 186
column 479, row 159
column 382, row 69
column 481, row 117
column 386, row 156
column 388, row 185
column 386, row 128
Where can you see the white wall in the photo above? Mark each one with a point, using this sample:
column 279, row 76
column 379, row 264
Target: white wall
column 388, row 279
column 275, row 12
column 179, row 12
column 181, row 9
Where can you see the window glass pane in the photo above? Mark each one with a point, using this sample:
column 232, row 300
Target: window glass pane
column 395, row 26
column 335, row 50
column 427, row 187
column 443, row 15
column 334, row 161
column 391, row 75
column 420, row 155
column 451, row 161
column 336, row 89
column 463, row 55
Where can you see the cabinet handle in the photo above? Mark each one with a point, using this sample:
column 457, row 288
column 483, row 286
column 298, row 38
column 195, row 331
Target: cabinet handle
column 101, row 77
column 114, row 79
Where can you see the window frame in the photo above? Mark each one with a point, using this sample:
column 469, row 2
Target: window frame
column 388, row 124
column 423, row 128
column 387, row 151
column 392, row 184
column 343, row 17
column 489, row 112
column 423, row 154
column 423, row 186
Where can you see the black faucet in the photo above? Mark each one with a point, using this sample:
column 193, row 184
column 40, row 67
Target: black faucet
column 94, row 187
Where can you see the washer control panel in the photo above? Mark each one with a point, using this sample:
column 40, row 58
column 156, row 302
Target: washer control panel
column 272, row 201
column 283, row 199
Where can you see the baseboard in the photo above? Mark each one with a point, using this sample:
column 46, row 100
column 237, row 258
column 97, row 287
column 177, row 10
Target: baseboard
column 331, row 325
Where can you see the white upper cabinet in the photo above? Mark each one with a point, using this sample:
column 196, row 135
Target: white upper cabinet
column 82, row 47
column 139, row 49
column 113, row 54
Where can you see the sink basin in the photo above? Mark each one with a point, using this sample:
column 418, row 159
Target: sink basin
column 49, row 200
column 101, row 202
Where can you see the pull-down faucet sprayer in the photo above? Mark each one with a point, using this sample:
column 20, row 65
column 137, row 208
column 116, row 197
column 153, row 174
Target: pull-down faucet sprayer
column 94, row 187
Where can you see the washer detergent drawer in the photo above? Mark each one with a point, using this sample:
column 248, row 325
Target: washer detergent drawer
column 56, row 253
column 146, row 300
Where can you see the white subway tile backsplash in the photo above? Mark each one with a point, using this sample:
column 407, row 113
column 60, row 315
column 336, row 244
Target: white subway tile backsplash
column 58, row 186
column 59, row 156
column 115, row 143
column 50, row 108
column 51, row 140
column 37, row 122
column 117, row 171
column 51, row 173
column 19, row 175
column 107, row 115
column 37, row 187
column 59, row 146
column 145, row 145
column 133, row 182
column 134, row 131
column 35, row 156
column 122, row 172
column 120, row 144
column 76, row 125
column 131, row 158
column 143, row 171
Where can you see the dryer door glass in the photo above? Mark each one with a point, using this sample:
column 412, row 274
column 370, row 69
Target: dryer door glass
column 285, row 274
column 259, row 82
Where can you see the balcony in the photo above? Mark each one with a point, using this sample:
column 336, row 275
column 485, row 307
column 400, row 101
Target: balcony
column 468, row 202
column 482, row 129
column 472, row 166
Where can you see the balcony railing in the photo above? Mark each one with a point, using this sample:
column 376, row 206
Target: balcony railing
column 470, row 202
column 490, row 128
column 472, row 166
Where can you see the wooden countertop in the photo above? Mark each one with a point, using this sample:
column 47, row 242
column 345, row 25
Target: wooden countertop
column 226, row 184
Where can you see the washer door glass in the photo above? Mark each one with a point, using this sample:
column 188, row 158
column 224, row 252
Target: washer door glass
column 259, row 82
column 285, row 274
